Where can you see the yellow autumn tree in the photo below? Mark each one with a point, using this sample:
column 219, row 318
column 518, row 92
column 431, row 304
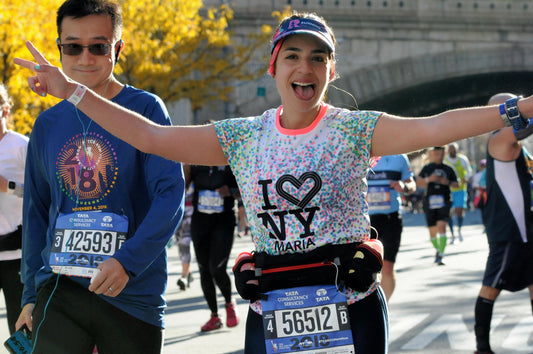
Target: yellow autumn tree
column 21, row 21
column 174, row 48
column 179, row 49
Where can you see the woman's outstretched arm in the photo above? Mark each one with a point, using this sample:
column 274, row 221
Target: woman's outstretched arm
column 396, row 135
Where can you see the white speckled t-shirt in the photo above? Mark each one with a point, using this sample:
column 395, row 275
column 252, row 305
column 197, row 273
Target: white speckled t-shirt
column 302, row 188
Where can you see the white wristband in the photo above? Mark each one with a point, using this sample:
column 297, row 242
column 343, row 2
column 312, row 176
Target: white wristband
column 78, row 94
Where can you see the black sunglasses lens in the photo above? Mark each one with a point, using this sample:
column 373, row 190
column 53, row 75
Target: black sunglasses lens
column 94, row 49
column 72, row 49
column 99, row 49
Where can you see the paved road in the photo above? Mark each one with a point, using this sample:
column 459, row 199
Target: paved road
column 431, row 312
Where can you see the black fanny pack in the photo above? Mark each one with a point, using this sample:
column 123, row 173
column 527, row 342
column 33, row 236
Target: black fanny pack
column 320, row 266
column 11, row 241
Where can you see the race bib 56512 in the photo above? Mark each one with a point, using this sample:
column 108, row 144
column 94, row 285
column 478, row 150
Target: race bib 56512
column 309, row 320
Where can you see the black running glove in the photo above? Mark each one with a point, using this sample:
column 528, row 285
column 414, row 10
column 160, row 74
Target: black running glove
column 245, row 280
column 362, row 270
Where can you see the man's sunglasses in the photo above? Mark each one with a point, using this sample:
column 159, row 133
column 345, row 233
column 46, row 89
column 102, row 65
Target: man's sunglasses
column 94, row 49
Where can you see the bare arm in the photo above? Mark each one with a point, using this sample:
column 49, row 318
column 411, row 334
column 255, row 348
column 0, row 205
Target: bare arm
column 187, row 174
column 453, row 184
column 422, row 182
column 396, row 135
column 191, row 144
column 503, row 145
column 3, row 184
column 409, row 185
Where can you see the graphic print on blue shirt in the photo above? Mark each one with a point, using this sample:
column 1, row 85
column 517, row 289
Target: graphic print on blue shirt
column 299, row 192
column 90, row 166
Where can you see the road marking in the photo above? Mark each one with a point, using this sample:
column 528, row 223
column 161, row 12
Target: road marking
column 519, row 336
column 405, row 324
column 459, row 337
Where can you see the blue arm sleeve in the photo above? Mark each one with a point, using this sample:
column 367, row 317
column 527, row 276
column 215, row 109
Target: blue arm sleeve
column 166, row 184
column 35, row 216
column 406, row 168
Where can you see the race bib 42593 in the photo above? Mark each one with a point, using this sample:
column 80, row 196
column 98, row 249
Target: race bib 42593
column 83, row 240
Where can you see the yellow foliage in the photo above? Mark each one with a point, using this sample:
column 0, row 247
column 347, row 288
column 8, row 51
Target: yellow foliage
column 179, row 49
column 174, row 48
column 20, row 21
column 280, row 15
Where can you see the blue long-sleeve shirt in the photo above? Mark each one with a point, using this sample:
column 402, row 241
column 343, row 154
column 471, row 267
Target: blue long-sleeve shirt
column 75, row 165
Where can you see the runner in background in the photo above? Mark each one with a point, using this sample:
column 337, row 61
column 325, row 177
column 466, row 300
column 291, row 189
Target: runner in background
column 183, row 239
column 243, row 226
column 479, row 183
column 212, row 231
column 387, row 181
column 508, row 218
column 13, row 148
column 463, row 171
column 437, row 178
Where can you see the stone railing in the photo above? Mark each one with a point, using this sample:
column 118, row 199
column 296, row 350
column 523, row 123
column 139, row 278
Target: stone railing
column 503, row 10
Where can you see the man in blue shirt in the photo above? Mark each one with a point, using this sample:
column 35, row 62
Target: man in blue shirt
column 98, row 213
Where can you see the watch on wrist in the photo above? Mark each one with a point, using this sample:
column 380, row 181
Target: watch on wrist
column 511, row 109
column 11, row 186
